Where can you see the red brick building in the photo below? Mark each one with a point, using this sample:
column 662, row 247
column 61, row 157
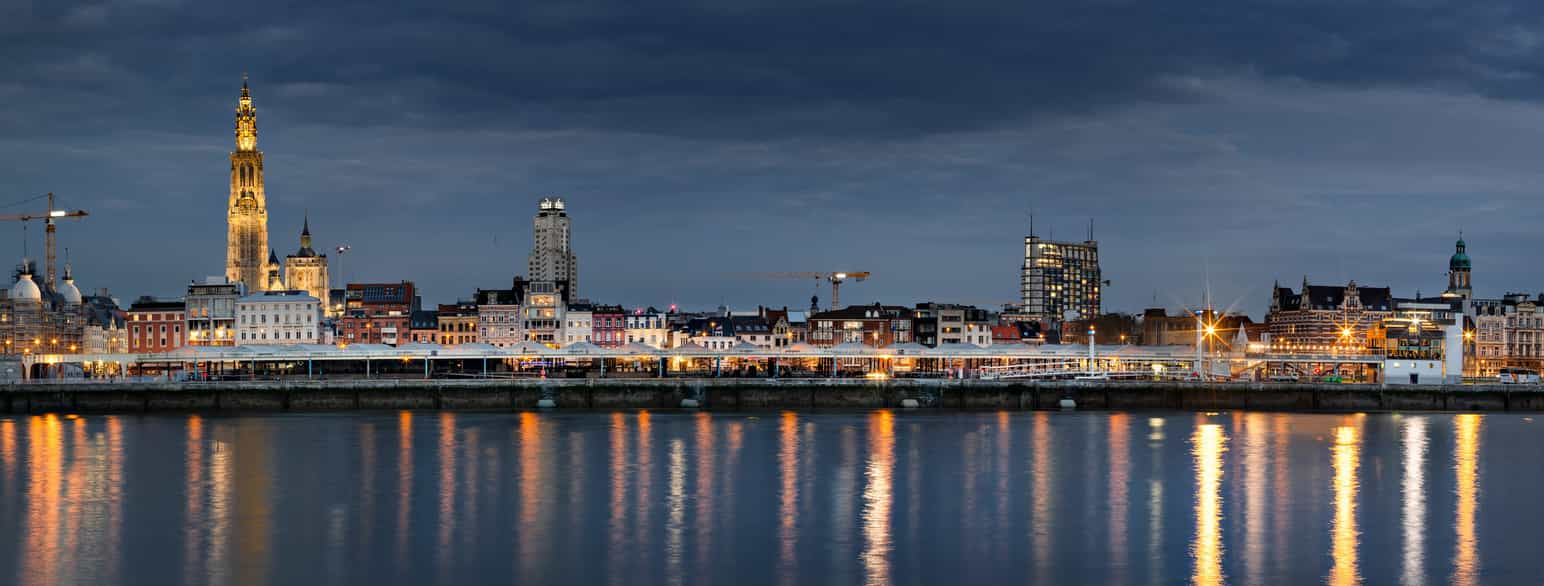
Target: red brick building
column 608, row 327
column 872, row 325
column 377, row 313
column 155, row 326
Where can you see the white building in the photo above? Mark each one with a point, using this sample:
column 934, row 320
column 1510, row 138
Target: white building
column 278, row 317
column 578, row 323
column 542, row 313
column 649, row 328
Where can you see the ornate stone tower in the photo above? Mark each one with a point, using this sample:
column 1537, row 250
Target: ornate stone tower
column 247, row 208
column 306, row 270
column 1458, row 272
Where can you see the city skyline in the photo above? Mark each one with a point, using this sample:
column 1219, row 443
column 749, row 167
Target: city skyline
column 1249, row 164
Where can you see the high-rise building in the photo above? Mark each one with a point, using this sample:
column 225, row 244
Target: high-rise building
column 247, row 207
column 552, row 259
column 1059, row 277
column 307, row 271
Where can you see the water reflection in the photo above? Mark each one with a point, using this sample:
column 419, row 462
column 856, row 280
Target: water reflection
column 675, row 509
column 704, row 490
column 1040, row 477
column 1346, row 459
column 629, row 498
column 1120, row 472
column 447, row 494
column 1467, row 467
column 877, row 499
column 1155, row 439
column 404, row 484
column 194, row 507
column 8, row 448
column 788, row 497
column 1255, row 438
column 1207, row 445
column 616, row 518
column 1414, row 493
column 532, row 544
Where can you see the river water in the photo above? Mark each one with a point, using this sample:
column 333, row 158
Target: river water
column 776, row 498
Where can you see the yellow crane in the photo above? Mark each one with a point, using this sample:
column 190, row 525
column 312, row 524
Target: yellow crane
column 48, row 216
column 836, row 278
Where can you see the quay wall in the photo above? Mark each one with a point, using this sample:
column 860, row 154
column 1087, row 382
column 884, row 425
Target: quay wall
column 753, row 395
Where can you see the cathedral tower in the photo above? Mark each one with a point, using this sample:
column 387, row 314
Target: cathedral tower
column 247, row 208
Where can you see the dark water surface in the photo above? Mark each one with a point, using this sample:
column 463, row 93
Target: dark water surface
column 830, row 498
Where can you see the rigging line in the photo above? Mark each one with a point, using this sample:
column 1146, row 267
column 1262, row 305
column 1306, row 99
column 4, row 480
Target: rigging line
column 17, row 203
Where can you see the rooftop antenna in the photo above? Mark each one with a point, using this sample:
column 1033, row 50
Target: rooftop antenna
column 1090, row 229
column 1031, row 223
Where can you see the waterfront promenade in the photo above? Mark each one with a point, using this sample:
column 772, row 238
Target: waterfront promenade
column 750, row 395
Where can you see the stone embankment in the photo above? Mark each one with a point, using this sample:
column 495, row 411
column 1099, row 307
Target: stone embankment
column 751, row 395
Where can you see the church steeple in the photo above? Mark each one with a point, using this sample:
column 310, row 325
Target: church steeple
column 305, row 231
column 246, row 119
column 247, row 204
column 1458, row 271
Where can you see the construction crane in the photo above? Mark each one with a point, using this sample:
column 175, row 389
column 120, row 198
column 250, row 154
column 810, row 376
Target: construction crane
column 48, row 216
column 836, row 279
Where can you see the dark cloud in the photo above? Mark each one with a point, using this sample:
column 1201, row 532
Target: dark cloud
column 1246, row 140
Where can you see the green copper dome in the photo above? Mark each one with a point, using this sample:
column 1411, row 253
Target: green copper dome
column 1460, row 260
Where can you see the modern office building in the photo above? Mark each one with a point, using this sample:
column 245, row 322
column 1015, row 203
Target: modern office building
column 1060, row 280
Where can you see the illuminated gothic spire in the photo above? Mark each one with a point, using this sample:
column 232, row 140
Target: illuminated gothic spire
column 246, row 119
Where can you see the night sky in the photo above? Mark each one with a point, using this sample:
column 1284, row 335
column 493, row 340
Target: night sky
column 694, row 142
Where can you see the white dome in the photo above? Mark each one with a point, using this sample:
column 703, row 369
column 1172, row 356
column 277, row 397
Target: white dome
column 25, row 289
column 70, row 293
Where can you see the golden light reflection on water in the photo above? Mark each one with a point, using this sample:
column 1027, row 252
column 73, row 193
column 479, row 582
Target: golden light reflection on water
column 1343, row 535
column 1119, row 439
column 788, row 498
column 532, row 543
column 1466, row 461
column 8, row 447
column 404, row 483
column 194, row 490
column 1155, row 437
column 447, row 493
column 1255, row 439
column 45, row 458
column 1281, row 493
column 703, row 492
column 616, row 518
column 1207, row 446
column 1040, row 493
column 1414, row 500
column 878, row 498
column 643, row 505
column 219, row 510
column 1004, row 452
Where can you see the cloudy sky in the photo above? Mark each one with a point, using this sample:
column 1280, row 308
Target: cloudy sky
column 1244, row 141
